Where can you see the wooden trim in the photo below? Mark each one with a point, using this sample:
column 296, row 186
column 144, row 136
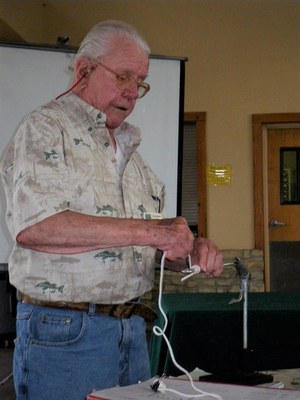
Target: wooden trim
column 258, row 124
column 199, row 118
column 258, row 183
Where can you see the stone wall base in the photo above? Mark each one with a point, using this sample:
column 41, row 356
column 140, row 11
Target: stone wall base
column 228, row 281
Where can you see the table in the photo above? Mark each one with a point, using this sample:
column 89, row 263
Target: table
column 206, row 332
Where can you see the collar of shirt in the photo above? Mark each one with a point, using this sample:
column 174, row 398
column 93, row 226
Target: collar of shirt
column 127, row 135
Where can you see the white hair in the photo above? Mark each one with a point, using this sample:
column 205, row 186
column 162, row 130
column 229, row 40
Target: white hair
column 97, row 42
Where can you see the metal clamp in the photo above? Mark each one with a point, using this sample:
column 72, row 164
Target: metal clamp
column 244, row 275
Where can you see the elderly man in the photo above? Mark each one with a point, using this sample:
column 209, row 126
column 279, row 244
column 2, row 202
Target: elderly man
column 77, row 194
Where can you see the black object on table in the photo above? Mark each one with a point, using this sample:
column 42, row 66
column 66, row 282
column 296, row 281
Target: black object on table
column 8, row 305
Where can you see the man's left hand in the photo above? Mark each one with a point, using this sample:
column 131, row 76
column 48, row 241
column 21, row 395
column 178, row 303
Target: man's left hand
column 207, row 255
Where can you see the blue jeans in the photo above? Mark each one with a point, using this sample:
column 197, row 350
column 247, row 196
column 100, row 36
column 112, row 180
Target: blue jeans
column 66, row 354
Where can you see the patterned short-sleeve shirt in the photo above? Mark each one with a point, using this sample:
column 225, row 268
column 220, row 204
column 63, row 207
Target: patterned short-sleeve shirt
column 60, row 159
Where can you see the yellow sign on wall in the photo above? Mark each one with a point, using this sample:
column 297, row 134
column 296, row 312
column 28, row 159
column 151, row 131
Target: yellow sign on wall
column 218, row 175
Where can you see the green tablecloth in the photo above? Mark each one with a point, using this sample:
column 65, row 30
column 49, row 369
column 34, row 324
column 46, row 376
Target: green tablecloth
column 206, row 332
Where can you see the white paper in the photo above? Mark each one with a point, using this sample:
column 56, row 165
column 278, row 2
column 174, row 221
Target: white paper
column 226, row 392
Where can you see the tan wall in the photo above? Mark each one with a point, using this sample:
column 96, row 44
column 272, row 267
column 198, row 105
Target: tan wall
column 243, row 58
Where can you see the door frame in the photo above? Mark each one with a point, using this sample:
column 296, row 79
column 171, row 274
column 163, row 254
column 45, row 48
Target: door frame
column 259, row 131
column 199, row 119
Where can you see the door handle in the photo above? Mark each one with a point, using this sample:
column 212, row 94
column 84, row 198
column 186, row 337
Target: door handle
column 275, row 223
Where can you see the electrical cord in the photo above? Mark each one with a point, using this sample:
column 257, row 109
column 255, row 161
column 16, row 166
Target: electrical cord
column 159, row 385
column 71, row 88
column 83, row 75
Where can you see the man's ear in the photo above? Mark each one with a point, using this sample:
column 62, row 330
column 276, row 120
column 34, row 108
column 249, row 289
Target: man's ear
column 83, row 67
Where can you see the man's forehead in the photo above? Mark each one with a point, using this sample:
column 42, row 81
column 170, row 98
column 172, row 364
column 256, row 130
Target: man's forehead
column 127, row 54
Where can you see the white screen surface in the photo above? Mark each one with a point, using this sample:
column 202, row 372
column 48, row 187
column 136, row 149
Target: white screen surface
column 30, row 77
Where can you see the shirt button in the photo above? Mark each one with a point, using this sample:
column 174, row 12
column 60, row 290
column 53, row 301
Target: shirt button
column 90, row 129
column 106, row 144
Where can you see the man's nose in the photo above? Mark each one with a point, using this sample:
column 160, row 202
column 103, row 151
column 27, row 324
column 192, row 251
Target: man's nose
column 132, row 93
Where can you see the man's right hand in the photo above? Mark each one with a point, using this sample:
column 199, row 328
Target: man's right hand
column 174, row 237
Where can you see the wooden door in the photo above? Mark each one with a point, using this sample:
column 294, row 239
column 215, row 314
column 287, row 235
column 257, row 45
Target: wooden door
column 283, row 160
column 280, row 244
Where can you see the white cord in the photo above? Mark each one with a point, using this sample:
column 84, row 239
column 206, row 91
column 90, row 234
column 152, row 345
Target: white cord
column 161, row 332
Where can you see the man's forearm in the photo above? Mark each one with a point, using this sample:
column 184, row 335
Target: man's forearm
column 70, row 233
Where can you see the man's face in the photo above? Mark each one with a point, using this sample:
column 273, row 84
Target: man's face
column 102, row 90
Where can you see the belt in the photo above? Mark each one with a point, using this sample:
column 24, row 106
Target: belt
column 125, row 310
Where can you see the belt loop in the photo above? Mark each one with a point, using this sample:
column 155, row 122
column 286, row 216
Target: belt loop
column 91, row 309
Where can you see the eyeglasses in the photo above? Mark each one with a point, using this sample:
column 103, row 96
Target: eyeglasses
column 126, row 81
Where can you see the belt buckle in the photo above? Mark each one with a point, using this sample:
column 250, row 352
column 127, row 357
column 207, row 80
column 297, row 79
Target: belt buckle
column 129, row 309
column 123, row 310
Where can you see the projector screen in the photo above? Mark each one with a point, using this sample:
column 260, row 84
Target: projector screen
column 32, row 75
